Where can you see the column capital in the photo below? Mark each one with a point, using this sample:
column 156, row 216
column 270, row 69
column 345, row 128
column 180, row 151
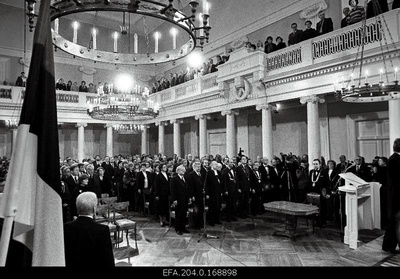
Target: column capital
column 84, row 125
column 161, row 123
column 202, row 116
column 312, row 99
column 266, row 107
column 229, row 112
column 176, row 121
column 145, row 127
column 108, row 125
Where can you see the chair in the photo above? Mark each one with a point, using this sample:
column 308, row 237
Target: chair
column 103, row 217
column 124, row 224
column 314, row 199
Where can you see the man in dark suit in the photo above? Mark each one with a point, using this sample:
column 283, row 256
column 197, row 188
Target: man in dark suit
column 108, row 167
column 256, row 189
column 73, row 180
column 87, row 243
column 143, row 185
column 361, row 169
column 230, row 188
column 318, row 184
column 392, row 235
column 275, row 173
column 325, row 25
column 243, row 178
column 213, row 193
column 180, row 199
column 296, row 36
column 376, row 7
column 196, row 185
column 343, row 22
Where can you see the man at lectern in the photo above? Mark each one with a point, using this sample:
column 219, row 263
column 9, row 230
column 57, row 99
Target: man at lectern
column 392, row 234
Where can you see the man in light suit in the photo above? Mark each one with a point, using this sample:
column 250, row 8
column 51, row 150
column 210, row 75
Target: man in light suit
column 87, row 243
column 392, row 235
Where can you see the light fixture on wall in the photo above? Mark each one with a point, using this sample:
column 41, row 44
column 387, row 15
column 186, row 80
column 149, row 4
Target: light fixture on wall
column 11, row 123
column 359, row 89
column 196, row 30
column 128, row 129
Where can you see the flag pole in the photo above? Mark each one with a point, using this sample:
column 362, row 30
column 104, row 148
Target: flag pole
column 5, row 239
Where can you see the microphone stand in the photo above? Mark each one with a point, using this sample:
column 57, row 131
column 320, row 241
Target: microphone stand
column 204, row 234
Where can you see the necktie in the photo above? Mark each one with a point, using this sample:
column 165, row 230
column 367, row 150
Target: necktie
column 76, row 179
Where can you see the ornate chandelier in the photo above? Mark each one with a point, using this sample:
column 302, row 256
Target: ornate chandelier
column 193, row 29
column 361, row 90
column 128, row 129
column 131, row 106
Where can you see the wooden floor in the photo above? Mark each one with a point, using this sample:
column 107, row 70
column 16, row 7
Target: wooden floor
column 250, row 243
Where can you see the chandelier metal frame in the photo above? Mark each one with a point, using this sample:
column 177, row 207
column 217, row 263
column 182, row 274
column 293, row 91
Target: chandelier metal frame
column 123, row 107
column 367, row 92
column 150, row 8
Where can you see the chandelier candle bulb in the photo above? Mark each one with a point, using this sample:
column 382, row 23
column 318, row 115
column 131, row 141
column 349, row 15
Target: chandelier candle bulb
column 135, row 43
column 206, row 7
column 380, row 75
column 366, row 77
column 156, row 37
column 395, row 74
column 201, row 25
column 75, row 25
column 115, row 36
column 174, row 32
column 94, row 35
column 56, row 25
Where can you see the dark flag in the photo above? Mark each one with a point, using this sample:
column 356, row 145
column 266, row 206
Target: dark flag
column 32, row 192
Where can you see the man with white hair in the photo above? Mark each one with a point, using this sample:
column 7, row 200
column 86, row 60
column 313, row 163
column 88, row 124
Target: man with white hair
column 180, row 199
column 86, row 242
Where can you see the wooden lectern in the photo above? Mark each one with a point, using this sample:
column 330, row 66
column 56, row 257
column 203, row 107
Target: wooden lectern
column 362, row 207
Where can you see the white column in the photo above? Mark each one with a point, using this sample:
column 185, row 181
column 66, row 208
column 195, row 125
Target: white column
column 161, row 137
column 177, row 136
column 313, row 132
column 394, row 127
column 266, row 130
column 81, row 140
column 202, row 134
column 144, row 139
column 230, row 132
column 14, row 138
column 109, row 147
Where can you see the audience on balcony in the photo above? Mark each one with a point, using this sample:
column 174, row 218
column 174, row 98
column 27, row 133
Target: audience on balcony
column 356, row 13
column 75, row 87
column 83, row 87
column 269, row 45
column 309, row 32
column 376, row 7
column 91, row 88
column 69, row 84
column 279, row 43
column 346, row 11
column 296, row 36
column 325, row 25
column 260, row 46
column 60, row 84
column 21, row 80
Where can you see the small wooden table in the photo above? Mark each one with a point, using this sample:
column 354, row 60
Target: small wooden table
column 292, row 210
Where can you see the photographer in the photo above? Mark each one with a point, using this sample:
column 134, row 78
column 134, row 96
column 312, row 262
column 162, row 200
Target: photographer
column 288, row 177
